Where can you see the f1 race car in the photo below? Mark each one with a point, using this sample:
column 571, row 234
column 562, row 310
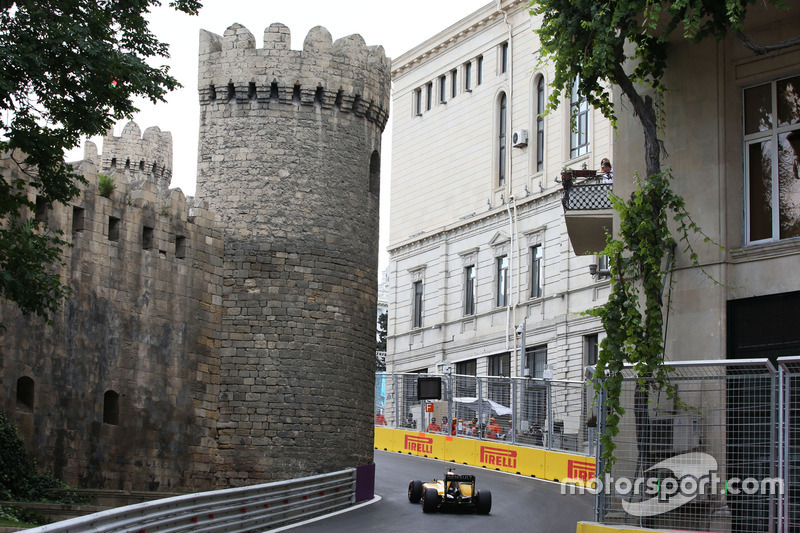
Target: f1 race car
column 453, row 493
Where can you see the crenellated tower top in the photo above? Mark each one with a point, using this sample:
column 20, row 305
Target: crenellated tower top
column 142, row 158
column 346, row 74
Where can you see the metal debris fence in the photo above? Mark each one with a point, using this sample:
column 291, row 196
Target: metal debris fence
column 552, row 414
column 723, row 458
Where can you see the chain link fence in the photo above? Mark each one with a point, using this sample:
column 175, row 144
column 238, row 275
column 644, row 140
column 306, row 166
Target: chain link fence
column 552, row 414
column 723, row 458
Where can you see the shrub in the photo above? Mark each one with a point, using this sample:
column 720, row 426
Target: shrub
column 105, row 185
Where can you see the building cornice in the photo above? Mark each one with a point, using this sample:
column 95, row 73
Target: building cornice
column 456, row 33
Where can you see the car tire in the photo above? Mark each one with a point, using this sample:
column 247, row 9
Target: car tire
column 430, row 501
column 483, row 502
column 415, row 491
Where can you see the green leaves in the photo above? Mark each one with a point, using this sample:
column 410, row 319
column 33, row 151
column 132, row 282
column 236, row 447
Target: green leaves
column 57, row 62
column 640, row 262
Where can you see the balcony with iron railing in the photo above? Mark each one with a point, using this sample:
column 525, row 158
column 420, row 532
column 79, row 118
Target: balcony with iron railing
column 587, row 209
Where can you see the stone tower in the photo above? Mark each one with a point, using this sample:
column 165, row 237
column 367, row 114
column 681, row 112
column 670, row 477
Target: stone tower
column 289, row 159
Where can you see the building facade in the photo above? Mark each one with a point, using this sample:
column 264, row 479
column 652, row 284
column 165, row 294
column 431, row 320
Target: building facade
column 478, row 246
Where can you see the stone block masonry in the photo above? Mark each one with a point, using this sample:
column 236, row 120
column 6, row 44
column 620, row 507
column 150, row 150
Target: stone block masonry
column 289, row 161
column 227, row 339
column 121, row 391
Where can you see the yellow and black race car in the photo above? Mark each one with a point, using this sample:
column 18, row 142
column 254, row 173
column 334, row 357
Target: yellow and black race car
column 453, row 493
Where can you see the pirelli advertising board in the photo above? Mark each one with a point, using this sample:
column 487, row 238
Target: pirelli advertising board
column 536, row 462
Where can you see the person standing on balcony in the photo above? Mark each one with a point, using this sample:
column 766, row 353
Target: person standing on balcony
column 606, row 172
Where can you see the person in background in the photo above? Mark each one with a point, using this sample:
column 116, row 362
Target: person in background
column 410, row 422
column 433, row 427
column 380, row 420
column 606, row 172
column 493, row 431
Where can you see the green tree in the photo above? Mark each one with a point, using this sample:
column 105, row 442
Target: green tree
column 68, row 69
column 626, row 43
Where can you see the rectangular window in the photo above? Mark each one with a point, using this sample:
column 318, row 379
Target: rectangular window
column 467, row 77
column 41, row 209
column 147, row 238
column 443, row 89
column 180, row 247
column 77, row 219
column 502, row 281
column 417, row 306
column 772, row 160
column 579, row 122
column 429, row 96
column 113, row 228
column 503, row 58
column 536, row 360
column 453, row 83
column 500, row 365
column 479, row 68
column 469, row 290
column 418, row 102
column 467, row 368
column 536, row 271
column 590, row 349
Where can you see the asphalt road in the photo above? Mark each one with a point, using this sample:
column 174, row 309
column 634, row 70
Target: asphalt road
column 518, row 503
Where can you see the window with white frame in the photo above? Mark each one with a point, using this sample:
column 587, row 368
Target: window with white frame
column 540, row 124
column 453, row 83
column 418, row 102
column 537, row 262
column 772, row 160
column 468, row 76
column 502, row 281
column 479, row 68
column 429, row 96
column 579, row 122
column 536, row 360
column 417, row 304
column 442, row 89
column 469, row 290
column 503, row 58
column 591, row 348
column 501, row 141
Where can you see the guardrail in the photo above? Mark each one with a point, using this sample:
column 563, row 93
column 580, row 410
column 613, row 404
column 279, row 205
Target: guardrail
column 238, row 510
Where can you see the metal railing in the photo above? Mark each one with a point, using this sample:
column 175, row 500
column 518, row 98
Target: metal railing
column 552, row 414
column 587, row 196
column 725, row 457
column 253, row 508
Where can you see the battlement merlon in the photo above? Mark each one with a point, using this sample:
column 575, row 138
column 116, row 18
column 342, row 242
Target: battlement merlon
column 143, row 157
column 346, row 74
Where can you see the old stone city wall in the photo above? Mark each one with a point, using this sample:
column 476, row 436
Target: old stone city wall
column 226, row 339
column 120, row 392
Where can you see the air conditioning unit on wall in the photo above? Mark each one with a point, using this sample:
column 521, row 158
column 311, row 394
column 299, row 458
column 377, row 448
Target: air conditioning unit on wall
column 519, row 138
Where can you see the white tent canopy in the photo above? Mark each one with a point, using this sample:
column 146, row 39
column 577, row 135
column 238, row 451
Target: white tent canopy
column 484, row 405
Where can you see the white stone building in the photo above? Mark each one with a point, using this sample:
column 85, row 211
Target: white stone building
column 478, row 242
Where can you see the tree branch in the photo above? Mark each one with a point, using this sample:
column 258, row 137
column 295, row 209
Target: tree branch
column 764, row 49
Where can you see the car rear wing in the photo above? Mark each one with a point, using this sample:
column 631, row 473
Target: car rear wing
column 459, row 478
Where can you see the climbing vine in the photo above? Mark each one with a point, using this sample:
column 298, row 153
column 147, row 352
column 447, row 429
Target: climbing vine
column 640, row 263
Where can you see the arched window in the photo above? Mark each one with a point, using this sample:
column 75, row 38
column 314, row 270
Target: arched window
column 111, row 408
column 501, row 142
column 540, row 124
column 25, row 393
column 375, row 173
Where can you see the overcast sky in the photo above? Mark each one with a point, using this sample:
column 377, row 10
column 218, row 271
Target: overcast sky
column 397, row 26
